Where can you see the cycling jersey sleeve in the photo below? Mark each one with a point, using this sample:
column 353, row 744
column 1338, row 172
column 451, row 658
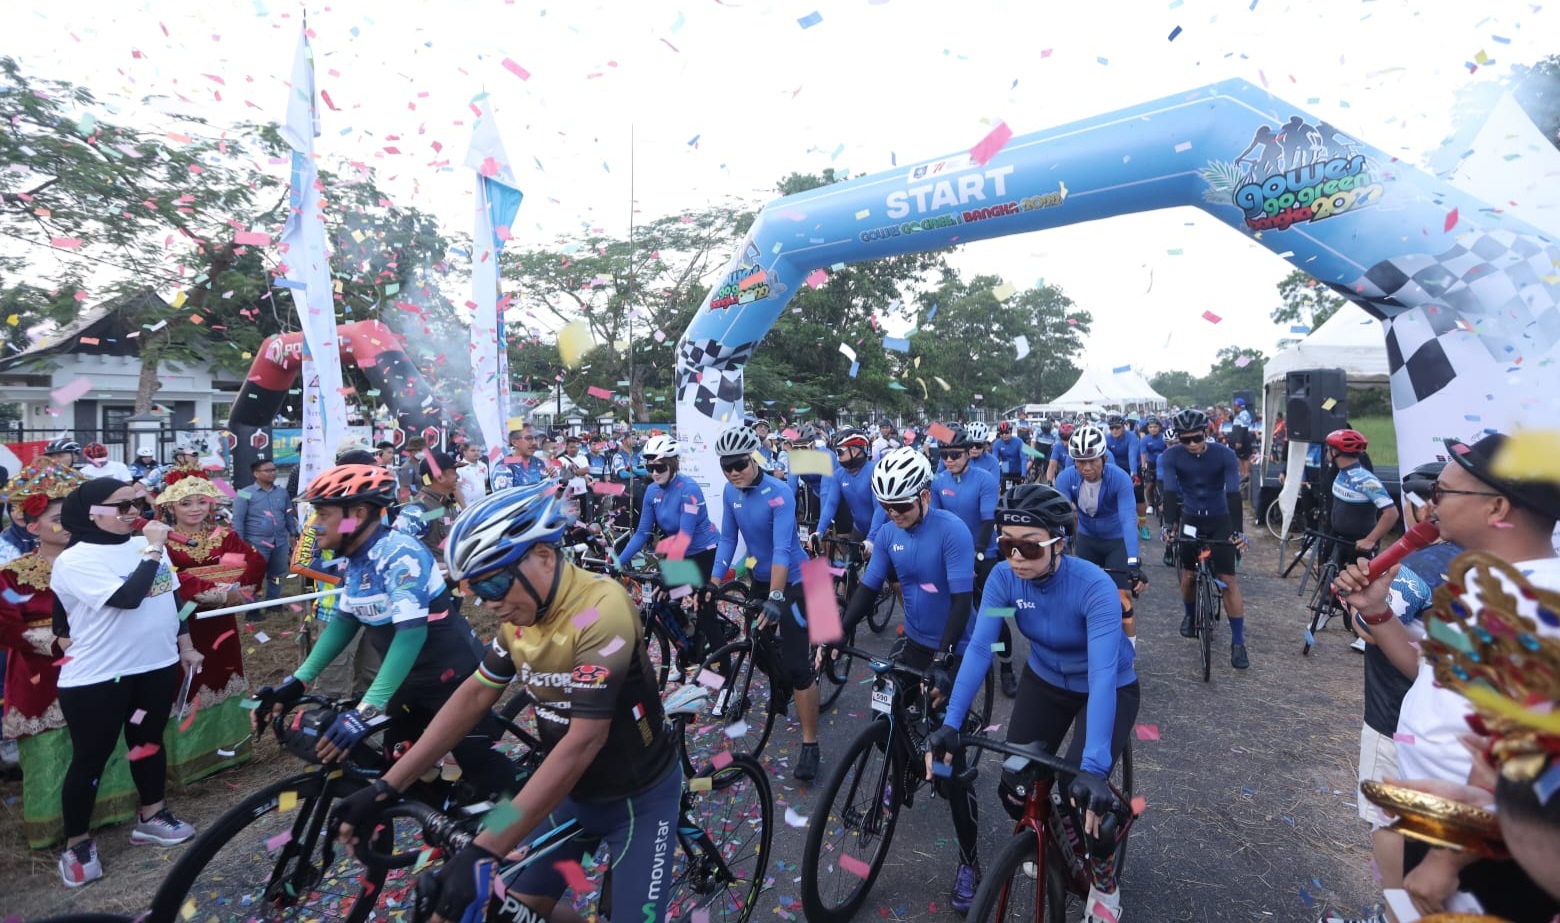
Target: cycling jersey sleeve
column 828, row 501
column 977, row 656
column 1134, row 453
column 1126, row 514
column 400, row 657
column 782, row 520
column 497, row 668
column 692, row 500
column 879, row 517
column 875, row 574
column 411, row 520
column 646, row 522
column 1102, row 613
column 958, row 554
column 988, row 500
column 338, row 633
column 728, row 536
column 1170, row 486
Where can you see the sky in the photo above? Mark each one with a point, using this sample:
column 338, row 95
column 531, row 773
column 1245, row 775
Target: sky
column 697, row 103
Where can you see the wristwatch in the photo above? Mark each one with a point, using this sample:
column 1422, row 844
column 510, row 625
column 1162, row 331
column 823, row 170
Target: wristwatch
column 777, row 595
column 368, row 712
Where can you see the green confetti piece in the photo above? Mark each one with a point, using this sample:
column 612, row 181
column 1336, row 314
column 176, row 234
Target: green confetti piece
column 392, row 288
column 249, row 704
column 503, row 814
column 185, row 611
column 997, row 613
column 1450, row 636
column 1031, row 450
column 430, row 515
column 998, row 647
column 681, row 573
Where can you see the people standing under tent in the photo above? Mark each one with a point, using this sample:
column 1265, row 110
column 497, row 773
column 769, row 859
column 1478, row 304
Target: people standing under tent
column 263, row 517
column 122, row 672
column 32, row 710
column 219, row 570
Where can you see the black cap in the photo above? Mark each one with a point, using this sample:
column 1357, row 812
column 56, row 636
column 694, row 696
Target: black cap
column 1478, row 459
column 441, row 460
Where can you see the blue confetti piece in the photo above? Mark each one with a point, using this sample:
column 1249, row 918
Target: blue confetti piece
column 1317, row 883
column 1502, row 39
column 810, row 20
column 941, row 770
column 854, row 368
column 1253, row 5
column 1247, row 790
column 1299, row 328
column 694, row 141
column 1121, row 370
column 898, row 344
column 1173, row 33
column 893, row 159
column 1304, row 895
column 933, row 312
column 1104, row 61
column 1547, row 784
column 796, row 613
column 1310, row 638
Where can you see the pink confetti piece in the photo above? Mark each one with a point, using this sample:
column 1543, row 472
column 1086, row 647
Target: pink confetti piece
column 189, row 720
column 223, row 637
column 929, row 588
column 65, row 243
column 1211, row 317
column 278, row 841
column 68, row 394
column 1404, row 739
column 721, row 760
column 607, row 488
column 596, row 391
column 709, row 679
column 586, row 618
column 991, row 144
column 675, row 547
column 816, row 278
column 523, row 74
column 777, row 501
column 1451, row 220
column 232, row 559
column 855, row 866
column 1147, row 732
column 138, row 717
column 612, row 647
column 252, row 239
column 142, row 751
column 823, row 608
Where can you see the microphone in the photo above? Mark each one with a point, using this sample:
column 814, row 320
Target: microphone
column 178, row 538
column 1420, row 536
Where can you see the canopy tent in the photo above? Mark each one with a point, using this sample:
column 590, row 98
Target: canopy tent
column 1097, row 390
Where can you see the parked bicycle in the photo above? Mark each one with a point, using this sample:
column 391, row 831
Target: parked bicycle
column 1324, row 604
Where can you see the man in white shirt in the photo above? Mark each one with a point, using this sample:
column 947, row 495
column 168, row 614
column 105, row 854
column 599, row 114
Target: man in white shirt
column 887, row 440
column 471, row 475
column 99, row 465
column 575, row 465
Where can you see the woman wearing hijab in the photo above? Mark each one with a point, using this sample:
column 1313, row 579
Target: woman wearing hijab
column 116, row 591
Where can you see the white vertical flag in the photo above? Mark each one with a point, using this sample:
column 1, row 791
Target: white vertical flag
column 307, row 260
column 497, row 201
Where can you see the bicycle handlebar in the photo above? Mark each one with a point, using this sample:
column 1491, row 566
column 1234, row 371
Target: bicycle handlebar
column 879, row 664
column 1035, row 753
column 439, row 830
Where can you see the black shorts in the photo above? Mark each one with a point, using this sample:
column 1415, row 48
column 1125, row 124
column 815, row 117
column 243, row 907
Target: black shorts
column 1137, row 490
column 1216, row 531
column 1108, row 553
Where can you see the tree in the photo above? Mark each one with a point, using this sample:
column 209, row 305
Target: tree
column 1179, row 388
column 1307, row 302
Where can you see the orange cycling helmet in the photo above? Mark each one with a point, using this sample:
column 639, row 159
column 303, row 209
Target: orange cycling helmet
column 1348, row 441
column 345, row 484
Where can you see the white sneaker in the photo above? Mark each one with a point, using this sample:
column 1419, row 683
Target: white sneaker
column 1358, row 645
column 1101, row 907
column 161, row 829
column 79, row 864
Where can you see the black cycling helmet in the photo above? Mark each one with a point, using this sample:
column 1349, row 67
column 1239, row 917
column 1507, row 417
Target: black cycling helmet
column 960, row 438
column 851, row 437
column 1036, row 505
column 1421, row 480
column 1190, row 420
column 61, row 445
column 1116, row 419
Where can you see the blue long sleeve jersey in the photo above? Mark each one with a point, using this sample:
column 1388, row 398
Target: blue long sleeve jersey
column 1124, row 451
column 972, row 497
column 1073, row 622
column 933, row 559
column 856, row 490
column 1010, row 454
column 1116, row 514
column 676, row 508
column 764, row 513
column 1202, row 481
column 1150, row 448
column 986, row 463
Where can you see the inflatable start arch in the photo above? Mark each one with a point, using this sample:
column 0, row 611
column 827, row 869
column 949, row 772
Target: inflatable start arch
column 1469, row 299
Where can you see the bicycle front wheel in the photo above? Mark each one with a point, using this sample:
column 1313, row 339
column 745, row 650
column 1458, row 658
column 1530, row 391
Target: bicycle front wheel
column 1274, row 519
column 738, row 716
column 272, row 858
column 1321, row 606
column 658, row 644
column 1205, row 623
column 851, row 827
column 726, row 831
column 1014, row 887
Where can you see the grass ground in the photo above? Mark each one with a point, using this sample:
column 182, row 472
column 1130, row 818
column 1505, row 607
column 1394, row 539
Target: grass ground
column 1383, row 438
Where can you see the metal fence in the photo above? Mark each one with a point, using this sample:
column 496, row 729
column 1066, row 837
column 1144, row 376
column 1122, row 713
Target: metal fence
column 118, row 440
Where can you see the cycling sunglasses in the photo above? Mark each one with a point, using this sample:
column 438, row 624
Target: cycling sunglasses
column 953, row 455
column 657, row 468
column 1030, row 550
column 735, row 463
column 900, row 508
column 1192, row 439
column 494, row 587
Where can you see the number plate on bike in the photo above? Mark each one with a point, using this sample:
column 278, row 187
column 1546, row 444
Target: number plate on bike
column 883, row 695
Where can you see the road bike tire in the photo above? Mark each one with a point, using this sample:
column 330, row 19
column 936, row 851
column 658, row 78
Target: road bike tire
column 1205, row 623
column 725, row 835
column 1122, row 776
column 832, row 676
column 978, row 718
column 864, row 821
column 1321, row 606
column 658, row 646
column 882, row 611
column 219, row 873
column 744, row 698
column 1273, row 518
column 1006, row 891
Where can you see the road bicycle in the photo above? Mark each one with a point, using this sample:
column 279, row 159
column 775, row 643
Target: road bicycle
column 724, row 830
column 1208, row 599
column 879, row 773
column 273, row 855
column 1324, row 604
column 1046, row 869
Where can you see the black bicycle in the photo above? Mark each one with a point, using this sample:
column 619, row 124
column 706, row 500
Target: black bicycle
column 1208, row 601
column 1324, row 604
column 880, row 772
column 849, row 554
column 273, row 856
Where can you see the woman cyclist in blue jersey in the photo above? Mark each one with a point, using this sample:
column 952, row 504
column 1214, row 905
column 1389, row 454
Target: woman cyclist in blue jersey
column 1101, row 493
column 762, row 510
column 1150, row 447
column 675, row 504
column 1079, row 662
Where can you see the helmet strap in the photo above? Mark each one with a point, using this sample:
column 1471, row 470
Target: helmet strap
column 542, row 605
column 855, row 457
column 362, row 530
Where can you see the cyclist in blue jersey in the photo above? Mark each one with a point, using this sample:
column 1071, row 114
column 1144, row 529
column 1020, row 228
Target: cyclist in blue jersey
column 970, row 494
column 812, row 490
column 522, row 466
column 1362, row 511
column 762, row 511
column 853, row 483
column 1079, row 662
column 1102, row 495
column 1150, row 447
column 1044, row 441
column 1126, row 448
column 574, row 640
column 1059, row 460
column 929, row 551
column 674, row 503
column 393, row 588
column 980, row 454
column 1201, row 481
column 1009, row 452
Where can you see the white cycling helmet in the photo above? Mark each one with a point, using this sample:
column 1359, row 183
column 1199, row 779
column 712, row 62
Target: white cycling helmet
column 978, row 432
column 660, row 447
column 146, row 451
column 737, row 440
column 1087, row 442
column 901, row 475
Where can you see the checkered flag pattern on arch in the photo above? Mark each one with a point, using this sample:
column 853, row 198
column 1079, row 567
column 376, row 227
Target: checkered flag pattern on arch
column 712, row 372
column 1500, row 286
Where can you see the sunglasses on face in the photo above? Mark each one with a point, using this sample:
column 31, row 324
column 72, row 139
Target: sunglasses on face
column 122, row 508
column 494, row 588
column 952, row 456
column 900, row 508
column 1192, row 439
column 658, row 468
column 1437, row 492
column 733, row 465
column 1029, row 550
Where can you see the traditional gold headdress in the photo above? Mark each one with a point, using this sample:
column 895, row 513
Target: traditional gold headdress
column 188, row 487
column 41, row 478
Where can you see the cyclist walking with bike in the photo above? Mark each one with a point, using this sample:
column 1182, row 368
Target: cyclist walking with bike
column 762, row 510
column 575, row 641
column 1201, row 482
column 1102, row 494
column 1079, row 662
column 933, row 556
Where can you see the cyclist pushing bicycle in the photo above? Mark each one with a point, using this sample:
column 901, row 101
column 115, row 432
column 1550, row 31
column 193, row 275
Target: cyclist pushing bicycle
column 1079, row 662
column 574, row 640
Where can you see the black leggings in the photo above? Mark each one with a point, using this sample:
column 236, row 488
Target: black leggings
column 95, row 716
column 705, row 615
column 795, row 649
column 1050, row 710
column 961, row 798
column 411, row 711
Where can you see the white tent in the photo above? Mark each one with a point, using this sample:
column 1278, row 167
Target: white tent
column 1096, row 390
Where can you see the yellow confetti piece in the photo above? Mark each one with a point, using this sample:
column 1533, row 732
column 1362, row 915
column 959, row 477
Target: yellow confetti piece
column 864, row 213
column 1532, row 455
column 811, row 461
column 1481, row 58
column 179, row 298
column 1330, row 403
column 188, row 910
column 574, row 342
column 699, row 784
column 1004, row 291
column 13, row 319
column 286, row 801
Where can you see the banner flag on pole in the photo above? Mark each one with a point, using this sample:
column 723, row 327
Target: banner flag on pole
column 307, row 261
column 497, row 200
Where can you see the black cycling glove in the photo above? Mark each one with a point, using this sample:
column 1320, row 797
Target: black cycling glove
column 1090, row 792
column 361, row 808
column 466, row 885
column 286, row 695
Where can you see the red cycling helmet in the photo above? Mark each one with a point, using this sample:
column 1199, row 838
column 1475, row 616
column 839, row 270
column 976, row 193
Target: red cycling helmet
column 1348, row 441
column 95, row 450
column 1065, row 430
column 1004, row 428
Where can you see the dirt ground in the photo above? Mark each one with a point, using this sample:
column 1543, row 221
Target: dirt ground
column 1250, row 785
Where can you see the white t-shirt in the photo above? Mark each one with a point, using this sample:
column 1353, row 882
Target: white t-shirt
column 109, row 469
column 577, row 485
column 472, row 478
column 107, row 642
column 1432, row 716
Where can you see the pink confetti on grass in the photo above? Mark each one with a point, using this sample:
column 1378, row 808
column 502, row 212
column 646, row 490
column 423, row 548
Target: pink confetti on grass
column 990, row 145
column 1148, row 732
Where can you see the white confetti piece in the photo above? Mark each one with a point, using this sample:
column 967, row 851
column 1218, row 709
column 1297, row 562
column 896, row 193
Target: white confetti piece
column 793, row 819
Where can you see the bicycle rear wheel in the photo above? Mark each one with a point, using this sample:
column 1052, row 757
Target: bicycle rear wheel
column 1321, row 607
column 1205, row 623
column 739, row 716
column 1013, row 888
column 261, row 861
column 851, row 827
column 658, row 644
column 725, row 833
column 1274, row 519
column 882, row 611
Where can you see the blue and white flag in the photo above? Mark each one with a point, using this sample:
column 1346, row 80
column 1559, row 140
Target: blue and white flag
column 497, row 201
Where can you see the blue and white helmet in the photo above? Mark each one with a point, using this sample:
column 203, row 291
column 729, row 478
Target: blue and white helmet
column 498, row 530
